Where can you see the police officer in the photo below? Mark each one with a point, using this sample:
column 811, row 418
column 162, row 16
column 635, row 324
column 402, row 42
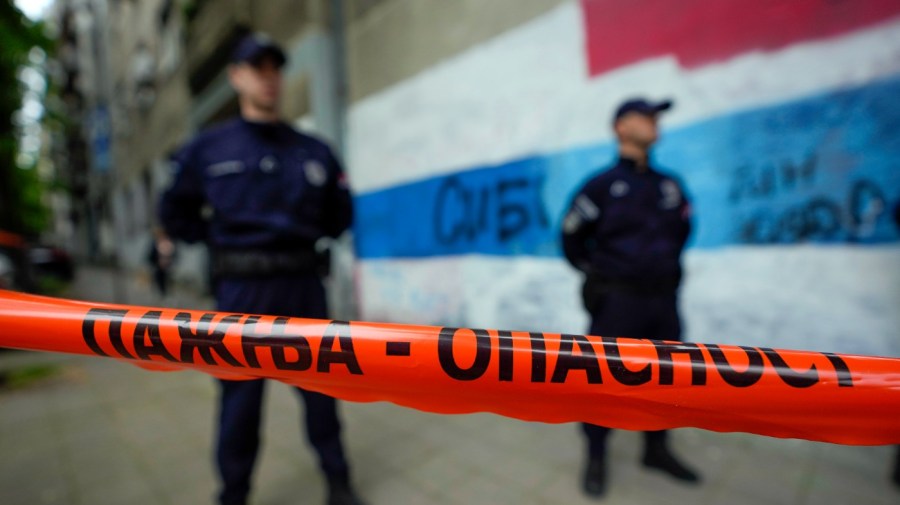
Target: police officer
column 625, row 230
column 261, row 194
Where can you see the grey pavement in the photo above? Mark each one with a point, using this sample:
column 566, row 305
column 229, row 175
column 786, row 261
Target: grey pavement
column 102, row 431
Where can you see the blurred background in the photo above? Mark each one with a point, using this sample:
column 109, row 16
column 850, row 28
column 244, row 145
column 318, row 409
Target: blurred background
column 465, row 127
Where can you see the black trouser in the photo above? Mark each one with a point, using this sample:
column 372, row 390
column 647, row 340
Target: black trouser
column 161, row 278
column 623, row 313
column 238, row 438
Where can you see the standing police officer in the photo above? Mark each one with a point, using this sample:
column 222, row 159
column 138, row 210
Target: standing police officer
column 260, row 194
column 625, row 230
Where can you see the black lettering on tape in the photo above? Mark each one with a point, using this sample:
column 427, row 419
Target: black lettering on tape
column 343, row 355
column 617, row 367
column 845, row 378
column 482, row 354
column 790, row 376
column 538, row 357
column 665, row 352
column 147, row 341
column 205, row 339
column 115, row 317
column 397, row 349
column 744, row 379
column 506, row 356
column 277, row 343
column 567, row 361
column 250, row 341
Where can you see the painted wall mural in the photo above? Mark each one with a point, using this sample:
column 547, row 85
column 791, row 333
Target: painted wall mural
column 822, row 169
column 784, row 131
column 700, row 32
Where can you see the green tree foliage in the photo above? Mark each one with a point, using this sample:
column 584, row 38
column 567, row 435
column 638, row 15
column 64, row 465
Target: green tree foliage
column 21, row 209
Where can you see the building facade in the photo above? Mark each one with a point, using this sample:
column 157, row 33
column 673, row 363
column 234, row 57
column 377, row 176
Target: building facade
column 466, row 126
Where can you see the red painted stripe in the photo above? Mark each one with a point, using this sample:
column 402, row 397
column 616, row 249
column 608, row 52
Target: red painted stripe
column 697, row 32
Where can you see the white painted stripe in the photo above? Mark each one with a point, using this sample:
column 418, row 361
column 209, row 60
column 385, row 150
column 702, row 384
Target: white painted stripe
column 728, row 297
column 527, row 91
column 474, row 290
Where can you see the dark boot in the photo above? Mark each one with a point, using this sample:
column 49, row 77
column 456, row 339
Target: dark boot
column 595, row 478
column 897, row 468
column 658, row 456
column 341, row 493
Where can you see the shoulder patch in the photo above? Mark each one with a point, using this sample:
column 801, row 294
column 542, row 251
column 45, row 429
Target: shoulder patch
column 315, row 172
column 671, row 194
column 587, row 208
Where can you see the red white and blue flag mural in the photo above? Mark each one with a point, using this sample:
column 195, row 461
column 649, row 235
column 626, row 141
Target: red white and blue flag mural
column 785, row 131
column 703, row 32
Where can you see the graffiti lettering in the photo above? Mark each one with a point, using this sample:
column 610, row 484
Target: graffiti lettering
column 505, row 208
column 768, row 180
column 865, row 205
column 819, row 218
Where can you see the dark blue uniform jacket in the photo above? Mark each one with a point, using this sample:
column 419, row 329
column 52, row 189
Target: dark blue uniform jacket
column 256, row 185
column 628, row 225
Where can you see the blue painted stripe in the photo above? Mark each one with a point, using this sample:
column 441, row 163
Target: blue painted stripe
column 822, row 169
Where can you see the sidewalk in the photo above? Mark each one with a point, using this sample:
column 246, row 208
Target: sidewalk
column 104, row 432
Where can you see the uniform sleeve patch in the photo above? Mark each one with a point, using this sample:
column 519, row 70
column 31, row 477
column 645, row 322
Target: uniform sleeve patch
column 224, row 168
column 315, row 173
column 587, row 208
column 583, row 211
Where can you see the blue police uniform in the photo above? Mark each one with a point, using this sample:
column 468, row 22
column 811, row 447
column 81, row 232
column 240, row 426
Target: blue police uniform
column 260, row 195
column 629, row 226
column 626, row 229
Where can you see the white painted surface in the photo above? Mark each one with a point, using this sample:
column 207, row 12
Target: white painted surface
column 836, row 298
column 527, row 91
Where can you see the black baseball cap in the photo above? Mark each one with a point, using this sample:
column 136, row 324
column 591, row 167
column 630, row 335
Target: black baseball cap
column 642, row 106
column 254, row 46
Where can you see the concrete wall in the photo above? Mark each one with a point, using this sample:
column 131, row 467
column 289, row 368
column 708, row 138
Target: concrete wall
column 391, row 40
column 464, row 157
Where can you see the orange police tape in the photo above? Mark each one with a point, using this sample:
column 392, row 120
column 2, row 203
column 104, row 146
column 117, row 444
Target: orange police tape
column 616, row 382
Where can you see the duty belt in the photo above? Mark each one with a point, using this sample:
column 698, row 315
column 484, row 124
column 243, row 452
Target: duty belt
column 658, row 286
column 256, row 262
